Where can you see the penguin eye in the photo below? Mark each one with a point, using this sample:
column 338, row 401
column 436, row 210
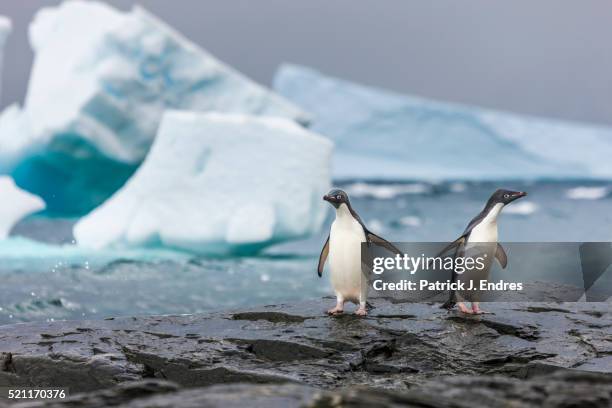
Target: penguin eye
column 338, row 196
column 506, row 195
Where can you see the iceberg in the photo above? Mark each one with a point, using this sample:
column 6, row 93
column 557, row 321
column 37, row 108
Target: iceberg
column 384, row 135
column 217, row 184
column 100, row 82
column 5, row 30
column 15, row 205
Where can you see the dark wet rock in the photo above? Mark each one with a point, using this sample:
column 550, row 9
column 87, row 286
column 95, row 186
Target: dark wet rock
column 550, row 309
column 274, row 317
column 500, row 325
column 164, row 394
column 276, row 350
column 400, row 347
column 560, row 389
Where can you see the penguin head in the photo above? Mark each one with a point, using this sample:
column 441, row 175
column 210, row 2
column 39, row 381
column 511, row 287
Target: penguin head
column 336, row 198
column 505, row 196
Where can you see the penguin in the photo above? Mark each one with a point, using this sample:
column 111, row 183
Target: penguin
column 482, row 229
column 343, row 248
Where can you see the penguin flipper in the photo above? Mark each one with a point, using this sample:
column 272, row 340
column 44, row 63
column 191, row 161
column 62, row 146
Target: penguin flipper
column 501, row 256
column 455, row 244
column 323, row 257
column 371, row 237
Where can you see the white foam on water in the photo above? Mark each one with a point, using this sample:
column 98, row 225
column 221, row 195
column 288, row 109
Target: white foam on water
column 587, row 193
column 30, row 255
column 385, row 191
column 376, row 226
column 410, row 221
column 521, row 208
column 458, row 187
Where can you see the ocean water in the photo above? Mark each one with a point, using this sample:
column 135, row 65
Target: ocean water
column 44, row 276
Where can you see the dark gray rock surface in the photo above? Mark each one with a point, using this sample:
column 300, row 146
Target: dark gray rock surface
column 402, row 350
column 560, row 389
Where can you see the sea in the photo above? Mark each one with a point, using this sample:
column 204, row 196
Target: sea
column 45, row 276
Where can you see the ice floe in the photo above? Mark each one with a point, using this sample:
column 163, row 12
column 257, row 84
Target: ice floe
column 385, row 135
column 15, row 205
column 218, row 184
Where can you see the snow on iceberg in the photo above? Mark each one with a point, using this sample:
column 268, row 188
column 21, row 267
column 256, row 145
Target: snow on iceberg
column 218, row 184
column 384, row 135
column 100, row 82
column 15, row 205
column 5, row 30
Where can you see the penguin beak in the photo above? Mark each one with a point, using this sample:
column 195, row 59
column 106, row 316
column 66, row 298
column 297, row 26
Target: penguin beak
column 332, row 200
column 521, row 194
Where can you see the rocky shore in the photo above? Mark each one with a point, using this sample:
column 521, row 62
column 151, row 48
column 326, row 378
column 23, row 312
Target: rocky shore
column 293, row 355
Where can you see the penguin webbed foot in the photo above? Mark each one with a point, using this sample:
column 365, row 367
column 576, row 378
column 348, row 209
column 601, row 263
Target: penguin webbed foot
column 362, row 311
column 464, row 309
column 475, row 310
column 335, row 311
column 478, row 311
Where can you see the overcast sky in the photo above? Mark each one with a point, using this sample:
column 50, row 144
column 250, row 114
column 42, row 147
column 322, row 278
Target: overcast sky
column 545, row 57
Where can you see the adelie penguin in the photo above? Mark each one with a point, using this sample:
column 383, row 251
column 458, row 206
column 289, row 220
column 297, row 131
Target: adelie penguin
column 478, row 239
column 343, row 248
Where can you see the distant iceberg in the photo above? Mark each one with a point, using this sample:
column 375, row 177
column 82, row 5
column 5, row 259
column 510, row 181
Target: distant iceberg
column 384, row 135
column 100, row 82
column 15, row 205
column 218, row 184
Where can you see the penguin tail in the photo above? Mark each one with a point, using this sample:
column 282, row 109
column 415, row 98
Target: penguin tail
column 448, row 305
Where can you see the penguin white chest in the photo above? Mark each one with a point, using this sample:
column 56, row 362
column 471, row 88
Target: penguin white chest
column 345, row 240
column 486, row 230
column 484, row 233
